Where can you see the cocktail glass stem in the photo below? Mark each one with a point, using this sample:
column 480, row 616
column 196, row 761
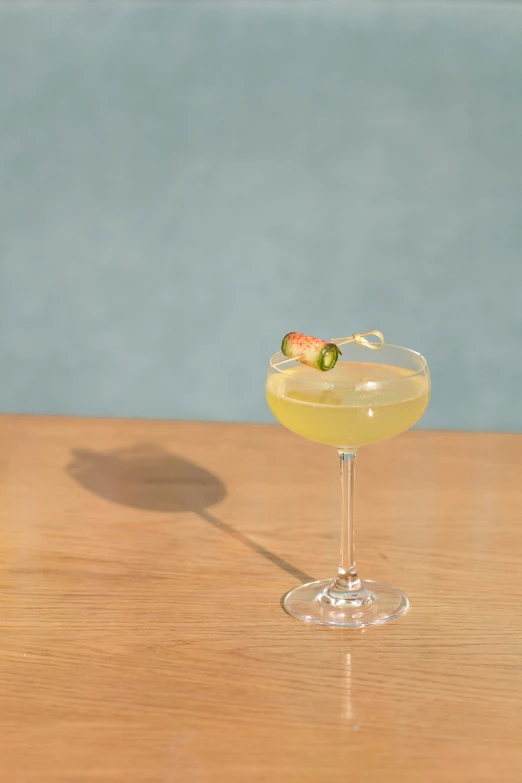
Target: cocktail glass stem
column 347, row 586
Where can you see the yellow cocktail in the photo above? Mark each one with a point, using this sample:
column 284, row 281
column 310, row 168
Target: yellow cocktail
column 367, row 393
column 352, row 405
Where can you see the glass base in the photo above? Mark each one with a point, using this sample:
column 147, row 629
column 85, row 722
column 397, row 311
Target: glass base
column 320, row 603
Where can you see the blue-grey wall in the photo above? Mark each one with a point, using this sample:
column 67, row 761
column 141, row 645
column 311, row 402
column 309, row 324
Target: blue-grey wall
column 183, row 183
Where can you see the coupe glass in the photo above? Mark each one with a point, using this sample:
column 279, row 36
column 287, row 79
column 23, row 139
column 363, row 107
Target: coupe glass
column 369, row 395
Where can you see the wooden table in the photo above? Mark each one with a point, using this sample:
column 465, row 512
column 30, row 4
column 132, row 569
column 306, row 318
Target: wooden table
column 142, row 638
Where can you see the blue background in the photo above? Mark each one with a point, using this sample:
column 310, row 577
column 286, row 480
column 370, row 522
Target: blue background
column 181, row 184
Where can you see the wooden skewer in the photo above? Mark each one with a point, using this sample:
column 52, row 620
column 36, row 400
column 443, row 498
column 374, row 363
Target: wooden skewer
column 360, row 339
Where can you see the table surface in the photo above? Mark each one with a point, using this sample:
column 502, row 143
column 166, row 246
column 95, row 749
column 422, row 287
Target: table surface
column 142, row 637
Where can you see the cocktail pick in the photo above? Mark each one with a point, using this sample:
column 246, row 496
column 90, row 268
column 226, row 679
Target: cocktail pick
column 360, row 339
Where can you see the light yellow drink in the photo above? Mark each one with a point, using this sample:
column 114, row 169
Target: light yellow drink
column 351, row 405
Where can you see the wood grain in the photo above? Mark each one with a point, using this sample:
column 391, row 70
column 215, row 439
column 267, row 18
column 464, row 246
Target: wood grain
column 142, row 638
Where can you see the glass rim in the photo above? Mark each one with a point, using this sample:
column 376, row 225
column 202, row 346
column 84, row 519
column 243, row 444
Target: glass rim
column 320, row 379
